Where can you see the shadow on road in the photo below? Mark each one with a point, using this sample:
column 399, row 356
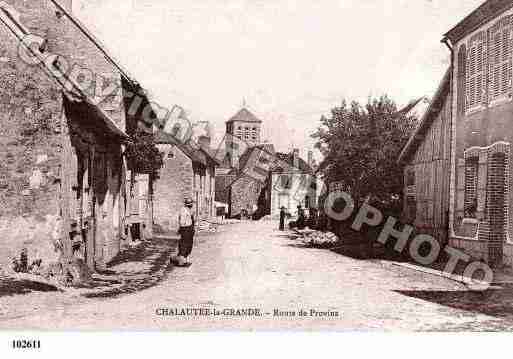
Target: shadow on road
column 135, row 269
column 11, row 286
column 493, row 302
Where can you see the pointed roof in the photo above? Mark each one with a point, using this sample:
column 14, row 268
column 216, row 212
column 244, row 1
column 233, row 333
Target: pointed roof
column 244, row 115
column 429, row 117
column 411, row 105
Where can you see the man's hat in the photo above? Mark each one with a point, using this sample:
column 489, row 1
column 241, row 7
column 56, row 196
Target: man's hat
column 188, row 201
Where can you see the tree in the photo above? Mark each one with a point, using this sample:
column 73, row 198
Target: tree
column 143, row 155
column 361, row 145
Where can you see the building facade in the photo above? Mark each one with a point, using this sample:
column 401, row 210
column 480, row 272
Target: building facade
column 66, row 178
column 187, row 172
column 482, row 93
column 287, row 181
column 243, row 128
column 426, row 161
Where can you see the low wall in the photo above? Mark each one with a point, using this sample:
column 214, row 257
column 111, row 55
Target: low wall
column 37, row 235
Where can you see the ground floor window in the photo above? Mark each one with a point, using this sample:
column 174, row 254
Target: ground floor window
column 471, row 181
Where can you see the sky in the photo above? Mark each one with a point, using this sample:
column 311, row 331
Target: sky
column 289, row 61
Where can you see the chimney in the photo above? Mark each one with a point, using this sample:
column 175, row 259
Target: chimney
column 310, row 159
column 295, row 158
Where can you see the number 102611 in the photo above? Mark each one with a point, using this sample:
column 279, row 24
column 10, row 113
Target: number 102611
column 26, row 344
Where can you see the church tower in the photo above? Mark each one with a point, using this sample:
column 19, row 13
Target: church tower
column 244, row 127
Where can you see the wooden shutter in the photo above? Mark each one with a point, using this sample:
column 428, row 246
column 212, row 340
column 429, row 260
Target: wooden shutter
column 506, row 58
column 476, row 70
column 500, row 66
column 462, row 71
column 460, row 187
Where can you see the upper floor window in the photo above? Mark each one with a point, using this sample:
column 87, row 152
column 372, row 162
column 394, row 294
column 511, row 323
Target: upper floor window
column 475, row 84
column 500, row 58
column 485, row 66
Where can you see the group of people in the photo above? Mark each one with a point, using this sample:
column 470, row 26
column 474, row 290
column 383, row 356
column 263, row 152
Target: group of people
column 302, row 221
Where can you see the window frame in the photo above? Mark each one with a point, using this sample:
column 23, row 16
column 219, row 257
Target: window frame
column 476, row 63
column 500, row 60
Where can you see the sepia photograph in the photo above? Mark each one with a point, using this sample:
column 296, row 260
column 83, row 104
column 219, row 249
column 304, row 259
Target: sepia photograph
column 255, row 166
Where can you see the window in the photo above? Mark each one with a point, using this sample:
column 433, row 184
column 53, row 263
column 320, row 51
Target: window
column 471, row 177
column 411, row 208
column 286, row 181
column 475, row 83
column 500, row 59
column 410, row 178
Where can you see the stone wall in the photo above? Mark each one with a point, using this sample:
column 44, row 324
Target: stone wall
column 222, row 189
column 33, row 134
column 244, row 193
column 30, row 147
column 175, row 182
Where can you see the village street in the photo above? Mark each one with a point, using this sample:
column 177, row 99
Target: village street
column 252, row 265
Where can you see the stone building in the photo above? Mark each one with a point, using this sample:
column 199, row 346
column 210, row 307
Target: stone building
column 188, row 171
column 243, row 130
column 245, row 127
column 251, row 172
column 287, row 181
column 63, row 182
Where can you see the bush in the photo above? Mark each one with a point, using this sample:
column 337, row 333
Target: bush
column 143, row 155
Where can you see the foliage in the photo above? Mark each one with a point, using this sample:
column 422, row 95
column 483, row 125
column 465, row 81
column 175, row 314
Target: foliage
column 361, row 145
column 143, row 155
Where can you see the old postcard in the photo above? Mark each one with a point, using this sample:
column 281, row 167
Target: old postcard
column 250, row 165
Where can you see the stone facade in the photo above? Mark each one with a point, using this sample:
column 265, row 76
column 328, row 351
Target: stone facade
column 65, row 173
column 243, row 130
column 222, row 191
column 245, row 192
column 269, row 180
column 182, row 176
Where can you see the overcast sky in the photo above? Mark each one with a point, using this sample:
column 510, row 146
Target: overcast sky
column 290, row 60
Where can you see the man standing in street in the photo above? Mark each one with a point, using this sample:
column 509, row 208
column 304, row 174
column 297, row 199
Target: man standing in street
column 282, row 218
column 186, row 230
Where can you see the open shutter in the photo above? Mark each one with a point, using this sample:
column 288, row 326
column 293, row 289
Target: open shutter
column 481, row 183
column 460, row 188
column 476, row 83
column 506, row 59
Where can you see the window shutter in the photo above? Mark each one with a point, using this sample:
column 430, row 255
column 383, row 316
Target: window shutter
column 479, row 73
column 481, row 182
column 506, row 60
column 462, row 71
column 500, row 58
column 460, row 188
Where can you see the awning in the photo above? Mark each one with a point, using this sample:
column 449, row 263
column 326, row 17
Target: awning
column 91, row 117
